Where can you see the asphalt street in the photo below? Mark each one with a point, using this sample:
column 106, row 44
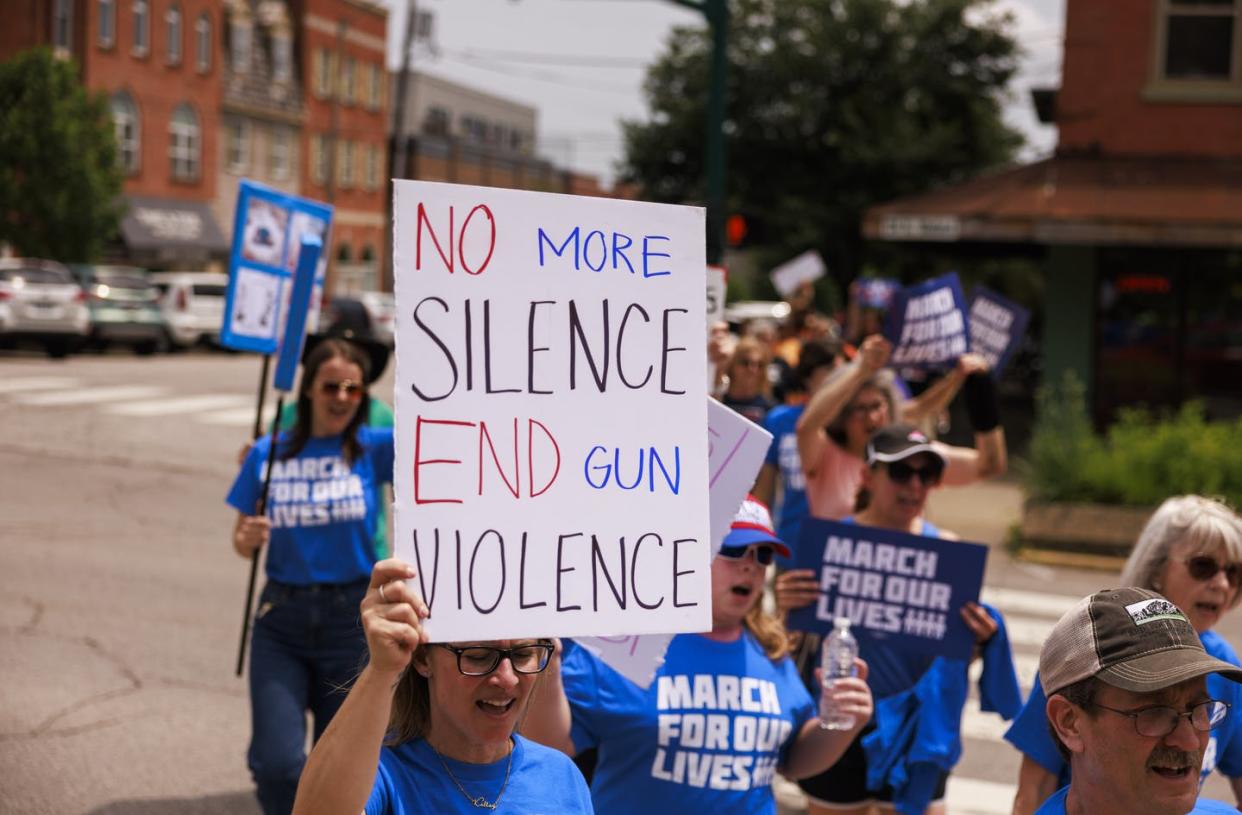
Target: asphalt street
column 121, row 599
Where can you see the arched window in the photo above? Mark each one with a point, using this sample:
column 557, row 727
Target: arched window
column 62, row 25
column 343, row 253
column 240, row 31
column 107, row 23
column 128, row 131
column 368, row 253
column 202, row 43
column 184, row 143
column 172, row 29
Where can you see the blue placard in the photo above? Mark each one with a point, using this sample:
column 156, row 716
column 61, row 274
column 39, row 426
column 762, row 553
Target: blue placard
column 927, row 324
column 905, row 590
column 267, row 232
column 299, row 303
column 997, row 327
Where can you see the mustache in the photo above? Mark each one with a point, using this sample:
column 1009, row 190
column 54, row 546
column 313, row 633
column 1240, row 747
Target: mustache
column 1173, row 758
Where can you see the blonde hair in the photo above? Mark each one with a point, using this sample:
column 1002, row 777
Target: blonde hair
column 768, row 630
column 1208, row 523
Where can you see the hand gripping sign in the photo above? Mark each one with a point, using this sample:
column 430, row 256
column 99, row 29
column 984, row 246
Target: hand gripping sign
column 906, row 590
column 551, row 471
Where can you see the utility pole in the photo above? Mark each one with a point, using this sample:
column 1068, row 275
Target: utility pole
column 334, row 132
column 397, row 152
column 717, row 14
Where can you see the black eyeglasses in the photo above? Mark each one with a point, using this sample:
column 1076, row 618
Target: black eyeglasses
column 1204, row 568
column 1158, row 722
column 902, row 472
column 763, row 553
column 480, row 660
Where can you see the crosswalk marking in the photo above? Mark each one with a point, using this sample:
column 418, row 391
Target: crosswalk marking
column 179, row 404
column 88, row 396
column 36, row 383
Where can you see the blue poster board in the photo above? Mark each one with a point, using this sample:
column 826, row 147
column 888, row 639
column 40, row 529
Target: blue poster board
column 904, row 590
column 267, row 234
column 997, row 326
column 927, row 324
column 299, row 303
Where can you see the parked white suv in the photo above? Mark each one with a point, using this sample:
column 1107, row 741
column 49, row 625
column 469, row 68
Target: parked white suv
column 193, row 305
column 40, row 300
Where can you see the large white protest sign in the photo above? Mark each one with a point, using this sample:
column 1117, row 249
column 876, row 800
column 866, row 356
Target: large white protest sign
column 736, row 448
column 551, row 472
column 805, row 268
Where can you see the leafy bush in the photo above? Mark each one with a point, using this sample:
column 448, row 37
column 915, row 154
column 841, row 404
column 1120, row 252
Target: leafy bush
column 1142, row 459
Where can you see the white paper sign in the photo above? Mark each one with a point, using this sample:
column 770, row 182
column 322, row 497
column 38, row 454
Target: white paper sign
column 737, row 447
column 551, row 460
column 808, row 266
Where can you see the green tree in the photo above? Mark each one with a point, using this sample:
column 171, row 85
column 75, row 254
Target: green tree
column 59, row 180
column 833, row 105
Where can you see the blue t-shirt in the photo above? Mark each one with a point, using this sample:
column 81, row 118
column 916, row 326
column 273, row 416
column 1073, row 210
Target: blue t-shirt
column 705, row 736
column 1029, row 731
column 412, row 781
column 782, row 423
column 323, row 511
column 1055, row 805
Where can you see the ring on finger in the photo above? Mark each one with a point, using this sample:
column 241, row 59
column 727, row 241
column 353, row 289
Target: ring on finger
column 383, row 599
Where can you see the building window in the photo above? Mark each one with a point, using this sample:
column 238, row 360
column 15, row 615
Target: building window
column 239, row 44
column 349, row 76
column 202, row 43
column 128, row 131
column 279, row 157
column 172, row 25
column 323, row 73
column 1200, row 40
column 373, row 164
column 282, row 58
column 184, row 143
column 319, row 161
column 62, row 26
column 345, row 164
column 375, row 84
column 238, row 146
column 142, row 28
column 436, row 122
column 107, row 23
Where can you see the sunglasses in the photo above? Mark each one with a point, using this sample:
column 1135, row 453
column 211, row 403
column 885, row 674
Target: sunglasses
column 763, row 553
column 348, row 389
column 1204, row 568
column 901, row 473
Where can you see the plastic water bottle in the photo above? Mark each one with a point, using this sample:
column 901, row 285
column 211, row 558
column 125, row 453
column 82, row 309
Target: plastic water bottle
column 840, row 650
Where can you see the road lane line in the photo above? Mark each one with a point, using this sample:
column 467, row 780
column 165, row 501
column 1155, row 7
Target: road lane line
column 36, row 383
column 179, row 404
column 90, row 396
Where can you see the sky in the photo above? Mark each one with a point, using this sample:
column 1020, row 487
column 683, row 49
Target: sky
column 581, row 63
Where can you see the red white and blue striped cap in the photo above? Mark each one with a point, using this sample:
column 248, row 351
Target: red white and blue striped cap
column 752, row 525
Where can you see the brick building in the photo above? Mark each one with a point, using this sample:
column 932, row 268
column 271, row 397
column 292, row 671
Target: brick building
column 156, row 61
column 1137, row 218
column 341, row 51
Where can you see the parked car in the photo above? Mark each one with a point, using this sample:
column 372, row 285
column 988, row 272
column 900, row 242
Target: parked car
column 383, row 309
column 192, row 304
column 40, row 300
column 124, row 308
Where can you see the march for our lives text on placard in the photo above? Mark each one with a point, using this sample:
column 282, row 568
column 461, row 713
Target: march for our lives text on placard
column 551, row 428
column 904, row 589
column 927, row 324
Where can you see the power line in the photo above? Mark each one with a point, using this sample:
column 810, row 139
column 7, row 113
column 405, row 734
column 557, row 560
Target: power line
column 531, row 57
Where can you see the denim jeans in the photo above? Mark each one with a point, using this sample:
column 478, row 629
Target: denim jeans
column 307, row 647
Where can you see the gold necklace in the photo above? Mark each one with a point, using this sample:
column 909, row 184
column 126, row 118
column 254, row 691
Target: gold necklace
column 479, row 801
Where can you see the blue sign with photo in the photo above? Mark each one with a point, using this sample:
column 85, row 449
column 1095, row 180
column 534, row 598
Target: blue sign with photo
column 267, row 235
column 997, row 327
column 927, row 324
column 902, row 589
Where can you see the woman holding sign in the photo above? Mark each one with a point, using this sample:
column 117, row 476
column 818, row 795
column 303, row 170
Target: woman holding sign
column 725, row 711
column 861, row 398
column 902, row 467
column 1191, row 552
column 428, row 728
column 320, row 523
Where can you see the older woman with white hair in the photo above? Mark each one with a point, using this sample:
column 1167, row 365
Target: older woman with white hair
column 1191, row 552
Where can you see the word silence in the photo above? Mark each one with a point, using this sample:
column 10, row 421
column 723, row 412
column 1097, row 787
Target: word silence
column 905, row 589
column 548, row 396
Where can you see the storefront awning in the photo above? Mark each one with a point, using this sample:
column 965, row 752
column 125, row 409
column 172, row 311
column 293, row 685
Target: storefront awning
column 168, row 230
column 1078, row 200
